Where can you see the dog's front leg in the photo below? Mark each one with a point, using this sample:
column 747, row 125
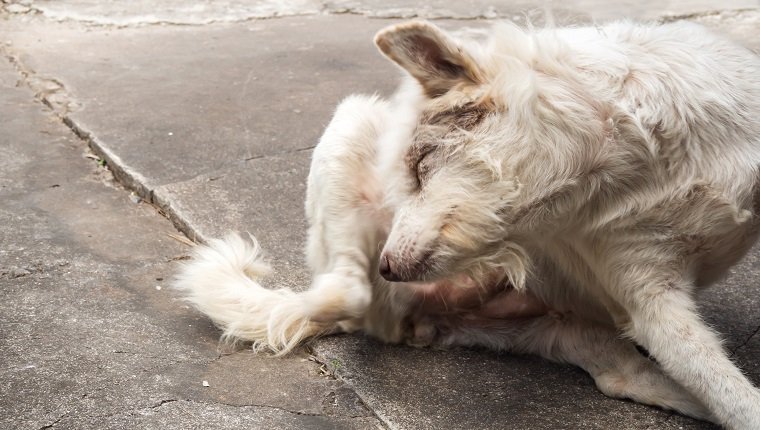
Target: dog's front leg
column 692, row 354
column 344, row 208
column 664, row 320
column 346, row 226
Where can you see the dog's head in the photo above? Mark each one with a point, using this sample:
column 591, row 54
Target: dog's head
column 450, row 186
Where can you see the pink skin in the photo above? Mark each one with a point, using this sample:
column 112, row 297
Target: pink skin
column 494, row 299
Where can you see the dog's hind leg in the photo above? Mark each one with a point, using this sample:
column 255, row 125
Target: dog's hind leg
column 343, row 208
column 617, row 367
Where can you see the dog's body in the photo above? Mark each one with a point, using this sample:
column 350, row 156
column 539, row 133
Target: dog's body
column 542, row 192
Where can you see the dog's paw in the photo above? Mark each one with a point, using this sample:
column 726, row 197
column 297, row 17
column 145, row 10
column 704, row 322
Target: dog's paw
column 335, row 297
column 422, row 332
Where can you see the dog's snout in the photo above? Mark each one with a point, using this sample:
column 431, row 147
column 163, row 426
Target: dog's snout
column 386, row 271
column 396, row 268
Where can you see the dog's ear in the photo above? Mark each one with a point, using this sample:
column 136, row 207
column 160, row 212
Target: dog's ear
column 433, row 58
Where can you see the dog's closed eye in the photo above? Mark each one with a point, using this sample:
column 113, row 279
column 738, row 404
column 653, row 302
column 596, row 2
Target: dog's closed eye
column 423, row 168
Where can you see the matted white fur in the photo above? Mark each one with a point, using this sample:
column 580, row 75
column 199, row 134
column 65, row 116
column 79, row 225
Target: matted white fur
column 607, row 173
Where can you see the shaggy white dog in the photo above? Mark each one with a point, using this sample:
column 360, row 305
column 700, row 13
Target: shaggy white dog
column 555, row 192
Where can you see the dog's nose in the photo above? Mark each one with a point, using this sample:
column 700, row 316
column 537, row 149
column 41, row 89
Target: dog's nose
column 386, row 271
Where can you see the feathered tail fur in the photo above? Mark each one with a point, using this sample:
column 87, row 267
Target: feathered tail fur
column 222, row 281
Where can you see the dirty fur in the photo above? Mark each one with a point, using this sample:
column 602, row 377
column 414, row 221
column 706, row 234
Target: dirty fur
column 561, row 192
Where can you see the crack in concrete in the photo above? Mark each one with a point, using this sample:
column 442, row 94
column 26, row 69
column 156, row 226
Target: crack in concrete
column 746, row 341
column 19, row 8
column 275, row 10
column 52, row 93
column 703, row 14
column 55, row 422
column 125, row 175
column 163, row 402
column 307, row 148
column 275, row 408
column 263, row 12
column 49, row 91
column 31, row 269
column 164, row 23
column 335, row 372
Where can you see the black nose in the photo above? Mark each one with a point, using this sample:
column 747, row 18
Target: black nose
column 386, row 271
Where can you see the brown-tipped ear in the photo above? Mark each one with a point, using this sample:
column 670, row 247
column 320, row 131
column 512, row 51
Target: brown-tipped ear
column 429, row 55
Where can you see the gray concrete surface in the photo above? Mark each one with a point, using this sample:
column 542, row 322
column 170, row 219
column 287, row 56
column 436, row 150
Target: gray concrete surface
column 208, row 111
column 146, row 12
column 91, row 336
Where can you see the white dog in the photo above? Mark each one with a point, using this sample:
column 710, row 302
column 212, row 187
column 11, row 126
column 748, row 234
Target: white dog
column 555, row 192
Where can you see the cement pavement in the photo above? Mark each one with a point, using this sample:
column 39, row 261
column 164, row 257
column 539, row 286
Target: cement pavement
column 206, row 113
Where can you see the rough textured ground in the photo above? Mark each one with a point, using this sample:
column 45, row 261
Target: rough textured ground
column 91, row 336
column 206, row 112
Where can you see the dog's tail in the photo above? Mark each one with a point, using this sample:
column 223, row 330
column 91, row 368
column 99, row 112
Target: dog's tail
column 222, row 282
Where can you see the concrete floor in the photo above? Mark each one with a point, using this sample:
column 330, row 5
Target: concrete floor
column 206, row 113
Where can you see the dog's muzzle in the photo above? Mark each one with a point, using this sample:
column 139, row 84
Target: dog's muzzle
column 399, row 269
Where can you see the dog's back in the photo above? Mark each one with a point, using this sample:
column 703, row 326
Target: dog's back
column 694, row 101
